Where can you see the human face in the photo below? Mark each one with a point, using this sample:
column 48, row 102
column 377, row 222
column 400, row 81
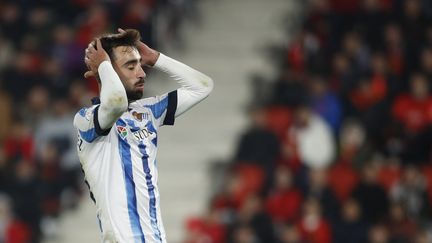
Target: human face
column 127, row 64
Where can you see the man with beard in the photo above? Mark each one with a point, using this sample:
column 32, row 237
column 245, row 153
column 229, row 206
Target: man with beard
column 117, row 135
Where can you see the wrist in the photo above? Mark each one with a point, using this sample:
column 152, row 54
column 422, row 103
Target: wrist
column 154, row 56
column 103, row 64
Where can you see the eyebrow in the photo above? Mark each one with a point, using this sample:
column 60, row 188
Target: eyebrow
column 132, row 61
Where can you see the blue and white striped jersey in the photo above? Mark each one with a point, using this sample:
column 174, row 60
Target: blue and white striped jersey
column 120, row 162
column 120, row 168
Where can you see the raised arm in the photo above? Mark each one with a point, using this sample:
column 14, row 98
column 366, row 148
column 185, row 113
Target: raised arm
column 195, row 86
column 112, row 94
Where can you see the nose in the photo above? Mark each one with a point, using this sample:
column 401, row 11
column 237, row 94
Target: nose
column 141, row 73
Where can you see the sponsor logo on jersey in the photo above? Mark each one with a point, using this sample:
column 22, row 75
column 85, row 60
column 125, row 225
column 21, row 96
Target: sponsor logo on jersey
column 141, row 134
column 122, row 131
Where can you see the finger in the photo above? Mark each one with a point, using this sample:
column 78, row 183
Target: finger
column 91, row 48
column 88, row 74
column 98, row 44
column 120, row 30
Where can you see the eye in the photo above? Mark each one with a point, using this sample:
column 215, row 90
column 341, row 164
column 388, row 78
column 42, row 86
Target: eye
column 130, row 68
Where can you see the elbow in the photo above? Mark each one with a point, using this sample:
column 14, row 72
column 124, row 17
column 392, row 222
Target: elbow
column 208, row 85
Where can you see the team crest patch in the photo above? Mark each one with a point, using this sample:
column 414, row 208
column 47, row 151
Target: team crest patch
column 138, row 116
column 122, row 131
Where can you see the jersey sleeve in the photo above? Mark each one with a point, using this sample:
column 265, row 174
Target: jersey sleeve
column 87, row 123
column 162, row 108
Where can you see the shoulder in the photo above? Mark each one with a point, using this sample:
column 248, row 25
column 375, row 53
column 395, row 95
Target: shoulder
column 150, row 100
column 84, row 116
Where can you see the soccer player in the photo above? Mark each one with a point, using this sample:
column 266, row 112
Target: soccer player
column 117, row 135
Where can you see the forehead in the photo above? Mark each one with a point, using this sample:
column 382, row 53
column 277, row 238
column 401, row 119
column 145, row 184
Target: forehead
column 123, row 54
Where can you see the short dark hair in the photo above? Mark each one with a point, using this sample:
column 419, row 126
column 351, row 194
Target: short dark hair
column 128, row 38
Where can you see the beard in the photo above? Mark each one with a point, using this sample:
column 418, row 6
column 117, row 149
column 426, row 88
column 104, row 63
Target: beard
column 134, row 94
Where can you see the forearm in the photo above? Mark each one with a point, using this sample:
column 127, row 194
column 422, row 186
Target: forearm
column 112, row 96
column 195, row 86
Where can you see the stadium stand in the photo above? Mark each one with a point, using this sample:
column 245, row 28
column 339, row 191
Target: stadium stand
column 42, row 86
column 341, row 149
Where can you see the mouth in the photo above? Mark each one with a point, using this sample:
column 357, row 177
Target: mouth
column 139, row 85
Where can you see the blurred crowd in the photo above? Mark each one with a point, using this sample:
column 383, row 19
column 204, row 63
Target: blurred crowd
column 42, row 86
column 340, row 143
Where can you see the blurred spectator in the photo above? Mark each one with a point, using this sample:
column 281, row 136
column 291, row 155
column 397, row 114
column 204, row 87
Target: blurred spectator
column 283, row 203
column 25, row 193
column 371, row 196
column 6, row 117
column 231, row 195
column 289, row 89
column 371, row 19
column 342, row 179
column 402, row 228
column 19, row 143
column 350, row 227
column 290, row 234
column 390, row 173
column 325, row 103
column 422, row 237
column 413, row 109
column 318, row 189
column 426, row 61
column 252, row 222
column 379, row 234
column 6, row 54
column 342, row 73
column 413, row 23
column 244, row 234
column 395, row 49
column 314, row 139
column 356, row 51
column 258, row 145
column 312, row 226
column 5, row 216
column 353, row 144
column 55, row 130
column 413, row 112
column 207, row 229
column 38, row 101
column 411, row 192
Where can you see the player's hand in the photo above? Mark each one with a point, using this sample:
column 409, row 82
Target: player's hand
column 149, row 56
column 94, row 56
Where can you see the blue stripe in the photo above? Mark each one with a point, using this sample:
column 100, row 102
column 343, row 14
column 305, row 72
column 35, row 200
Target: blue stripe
column 125, row 155
column 159, row 108
column 148, row 177
column 82, row 112
column 151, row 128
column 150, row 188
column 89, row 135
